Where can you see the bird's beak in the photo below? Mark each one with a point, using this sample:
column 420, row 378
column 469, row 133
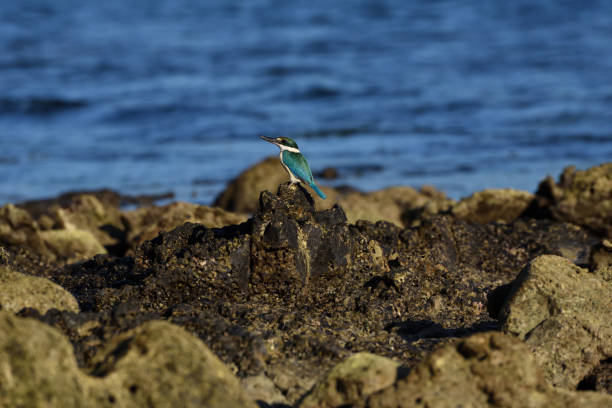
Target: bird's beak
column 268, row 139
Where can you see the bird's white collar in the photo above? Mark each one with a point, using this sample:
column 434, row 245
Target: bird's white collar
column 289, row 149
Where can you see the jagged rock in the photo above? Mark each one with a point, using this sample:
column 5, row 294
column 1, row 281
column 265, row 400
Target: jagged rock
column 583, row 197
column 486, row 206
column 352, row 381
column 18, row 291
column 308, row 247
column 483, row 370
column 157, row 364
column 562, row 313
column 146, row 223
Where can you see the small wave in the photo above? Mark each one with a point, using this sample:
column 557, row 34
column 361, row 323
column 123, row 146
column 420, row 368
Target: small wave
column 318, row 92
column 461, row 168
column 290, row 70
column 40, row 105
column 342, row 132
column 8, row 160
column 360, row 169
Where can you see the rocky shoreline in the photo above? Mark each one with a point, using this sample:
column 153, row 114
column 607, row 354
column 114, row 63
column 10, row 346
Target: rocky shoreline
column 396, row 298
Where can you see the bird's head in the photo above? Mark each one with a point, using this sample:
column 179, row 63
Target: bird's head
column 281, row 141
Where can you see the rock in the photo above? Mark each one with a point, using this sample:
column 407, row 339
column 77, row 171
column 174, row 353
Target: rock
column 328, row 173
column 562, row 313
column 18, row 291
column 601, row 260
column 71, row 245
column 97, row 214
column 583, row 197
column 295, row 290
column 86, row 212
column 157, row 364
column 37, row 367
column 108, row 198
column 352, row 381
column 504, row 205
column 241, row 194
column 146, row 223
column 17, row 228
column 390, row 204
column 160, row 364
column 484, row 370
column 261, row 389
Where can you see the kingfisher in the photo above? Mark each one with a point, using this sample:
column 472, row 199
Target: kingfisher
column 294, row 162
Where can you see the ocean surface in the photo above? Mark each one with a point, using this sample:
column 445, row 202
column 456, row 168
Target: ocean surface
column 148, row 97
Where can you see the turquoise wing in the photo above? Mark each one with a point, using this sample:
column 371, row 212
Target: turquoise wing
column 298, row 165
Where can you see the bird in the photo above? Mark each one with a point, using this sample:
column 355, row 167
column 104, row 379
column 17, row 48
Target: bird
column 294, row 162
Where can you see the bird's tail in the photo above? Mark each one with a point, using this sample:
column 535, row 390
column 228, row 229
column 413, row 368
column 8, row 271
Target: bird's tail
column 318, row 191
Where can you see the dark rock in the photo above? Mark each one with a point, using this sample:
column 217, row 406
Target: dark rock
column 328, row 173
column 146, row 223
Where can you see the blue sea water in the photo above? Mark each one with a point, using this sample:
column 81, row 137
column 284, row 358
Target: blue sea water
column 148, row 96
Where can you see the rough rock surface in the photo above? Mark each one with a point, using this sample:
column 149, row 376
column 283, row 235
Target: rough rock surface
column 293, row 291
column 486, row 206
column 261, row 389
column 583, row 197
column 352, row 381
column 18, row 291
column 563, row 314
column 157, row 364
column 37, row 367
column 71, row 245
column 79, row 226
column 146, row 223
column 160, row 364
column 288, row 294
column 68, row 244
column 483, row 370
